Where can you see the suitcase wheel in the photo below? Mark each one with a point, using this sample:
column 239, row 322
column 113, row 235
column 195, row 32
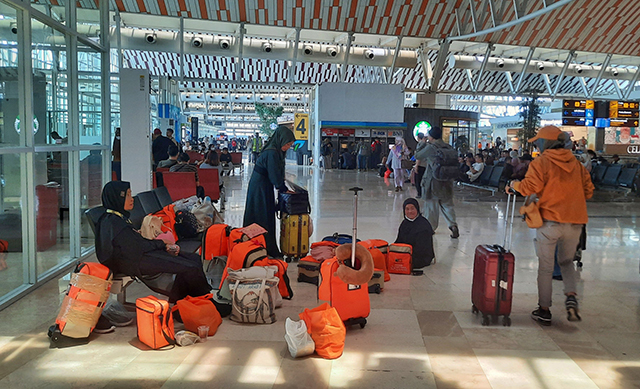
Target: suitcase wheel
column 486, row 320
column 54, row 333
column 287, row 259
column 353, row 321
column 506, row 321
column 474, row 310
column 494, row 319
column 375, row 289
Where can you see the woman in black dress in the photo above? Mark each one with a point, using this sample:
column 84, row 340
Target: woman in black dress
column 268, row 173
column 416, row 231
column 121, row 248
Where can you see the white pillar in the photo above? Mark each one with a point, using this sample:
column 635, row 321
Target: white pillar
column 135, row 128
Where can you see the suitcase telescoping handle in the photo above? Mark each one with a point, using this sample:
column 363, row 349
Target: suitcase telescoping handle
column 354, row 233
column 508, row 221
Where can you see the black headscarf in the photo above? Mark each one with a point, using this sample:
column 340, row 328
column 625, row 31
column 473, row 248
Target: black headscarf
column 111, row 224
column 419, row 234
column 281, row 137
column 114, row 194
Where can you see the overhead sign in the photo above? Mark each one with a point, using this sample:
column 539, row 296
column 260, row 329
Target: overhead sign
column 337, row 131
column 578, row 112
column 634, row 149
column 395, row 134
column 382, row 133
column 623, row 123
column 301, row 126
column 363, row 133
column 623, row 110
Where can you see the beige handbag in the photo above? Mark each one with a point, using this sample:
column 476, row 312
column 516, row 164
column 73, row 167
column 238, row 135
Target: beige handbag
column 531, row 213
column 151, row 227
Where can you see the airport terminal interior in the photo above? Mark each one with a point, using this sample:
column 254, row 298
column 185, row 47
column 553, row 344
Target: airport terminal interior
column 88, row 87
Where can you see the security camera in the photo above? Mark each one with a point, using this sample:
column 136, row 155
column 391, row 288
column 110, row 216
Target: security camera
column 540, row 66
column 266, row 47
column 500, row 63
column 224, row 44
column 308, row 50
column 614, row 72
column 332, row 51
column 368, row 54
column 197, row 42
column 578, row 69
column 150, row 38
column 14, row 28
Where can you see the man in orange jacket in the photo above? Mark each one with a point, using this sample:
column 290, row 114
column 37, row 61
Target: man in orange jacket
column 562, row 185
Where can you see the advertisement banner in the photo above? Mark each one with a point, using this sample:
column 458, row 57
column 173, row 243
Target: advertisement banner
column 363, row 133
column 301, row 126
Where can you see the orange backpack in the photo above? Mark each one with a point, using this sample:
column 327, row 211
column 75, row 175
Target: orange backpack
column 244, row 255
column 378, row 249
column 351, row 301
column 215, row 242
column 284, row 285
column 237, row 236
column 168, row 216
column 155, row 322
column 399, row 258
column 82, row 305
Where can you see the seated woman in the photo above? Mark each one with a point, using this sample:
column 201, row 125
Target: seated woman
column 123, row 250
column 416, row 231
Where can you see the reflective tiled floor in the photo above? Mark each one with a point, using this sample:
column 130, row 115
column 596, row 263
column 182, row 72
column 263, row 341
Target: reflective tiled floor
column 420, row 333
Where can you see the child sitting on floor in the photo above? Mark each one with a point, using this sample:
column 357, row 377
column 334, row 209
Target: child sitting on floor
column 416, row 231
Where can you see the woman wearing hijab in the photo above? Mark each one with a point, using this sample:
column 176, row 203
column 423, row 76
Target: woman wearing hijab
column 398, row 151
column 123, row 250
column 268, row 173
column 416, row 231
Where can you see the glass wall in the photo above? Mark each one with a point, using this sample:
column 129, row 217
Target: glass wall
column 52, row 148
column 460, row 130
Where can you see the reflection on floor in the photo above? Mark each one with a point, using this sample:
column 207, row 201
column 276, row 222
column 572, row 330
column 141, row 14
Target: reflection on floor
column 421, row 332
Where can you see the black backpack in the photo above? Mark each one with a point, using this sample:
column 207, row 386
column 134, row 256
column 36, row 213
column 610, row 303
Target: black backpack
column 186, row 225
column 445, row 165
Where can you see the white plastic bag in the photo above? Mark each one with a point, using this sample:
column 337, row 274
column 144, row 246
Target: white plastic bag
column 298, row 339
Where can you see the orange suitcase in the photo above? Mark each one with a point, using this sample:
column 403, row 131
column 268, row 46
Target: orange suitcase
column 351, row 301
column 378, row 249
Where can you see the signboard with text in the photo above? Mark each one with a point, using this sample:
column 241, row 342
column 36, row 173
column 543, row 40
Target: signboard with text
column 301, row 126
column 363, row 133
column 578, row 112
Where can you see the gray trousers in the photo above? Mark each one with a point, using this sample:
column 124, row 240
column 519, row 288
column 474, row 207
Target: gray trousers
column 432, row 209
column 564, row 236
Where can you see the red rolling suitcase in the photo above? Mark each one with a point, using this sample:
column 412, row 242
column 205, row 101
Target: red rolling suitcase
column 492, row 290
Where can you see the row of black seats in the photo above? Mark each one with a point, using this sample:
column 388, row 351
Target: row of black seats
column 490, row 178
column 614, row 176
column 146, row 203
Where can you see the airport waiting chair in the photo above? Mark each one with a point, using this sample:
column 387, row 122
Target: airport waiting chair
column 597, row 173
column 496, row 175
column 627, row 177
column 485, row 176
column 149, row 202
column 195, row 156
column 236, row 159
column 163, row 196
column 210, row 181
column 180, row 184
column 611, row 175
column 137, row 214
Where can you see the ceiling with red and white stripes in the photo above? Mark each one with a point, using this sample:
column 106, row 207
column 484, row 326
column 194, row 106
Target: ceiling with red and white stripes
column 600, row 26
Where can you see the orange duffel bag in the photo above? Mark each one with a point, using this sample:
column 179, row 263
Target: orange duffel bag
column 326, row 329
column 399, row 258
column 198, row 311
column 237, row 236
column 155, row 322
